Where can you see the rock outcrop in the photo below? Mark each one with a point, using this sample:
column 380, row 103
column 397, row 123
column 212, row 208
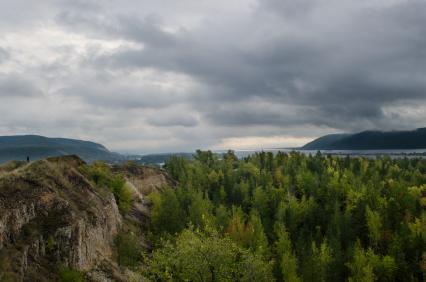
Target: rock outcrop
column 52, row 216
column 143, row 180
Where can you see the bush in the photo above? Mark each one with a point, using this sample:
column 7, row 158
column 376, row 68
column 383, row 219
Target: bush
column 51, row 244
column 70, row 275
column 167, row 215
column 124, row 198
column 102, row 176
column 197, row 256
column 128, row 249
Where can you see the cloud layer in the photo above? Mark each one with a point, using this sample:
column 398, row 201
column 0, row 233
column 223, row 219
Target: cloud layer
column 150, row 76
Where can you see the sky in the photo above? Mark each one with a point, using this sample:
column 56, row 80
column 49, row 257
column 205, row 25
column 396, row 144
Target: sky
column 159, row 76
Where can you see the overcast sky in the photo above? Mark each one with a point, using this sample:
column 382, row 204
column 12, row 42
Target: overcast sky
column 166, row 75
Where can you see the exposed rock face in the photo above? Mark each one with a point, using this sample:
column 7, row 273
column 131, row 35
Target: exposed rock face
column 143, row 180
column 51, row 216
column 146, row 179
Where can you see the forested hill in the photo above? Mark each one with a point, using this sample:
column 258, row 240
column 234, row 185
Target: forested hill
column 371, row 140
column 290, row 217
column 39, row 147
column 267, row 217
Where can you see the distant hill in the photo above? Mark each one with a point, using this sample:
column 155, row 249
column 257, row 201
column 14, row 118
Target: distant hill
column 40, row 147
column 371, row 140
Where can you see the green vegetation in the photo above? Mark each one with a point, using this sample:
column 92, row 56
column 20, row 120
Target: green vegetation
column 101, row 174
column 70, row 275
column 199, row 256
column 128, row 249
column 51, row 244
column 7, row 273
column 167, row 216
column 290, row 217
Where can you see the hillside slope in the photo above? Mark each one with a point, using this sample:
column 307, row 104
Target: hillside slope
column 371, row 140
column 39, row 147
column 52, row 216
column 324, row 142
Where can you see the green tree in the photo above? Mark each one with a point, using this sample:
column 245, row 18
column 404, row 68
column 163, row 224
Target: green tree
column 129, row 250
column 374, row 224
column 321, row 261
column 237, row 230
column 222, row 217
column 167, row 215
column 288, row 260
column 125, row 198
column 257, row 241
column 368, row 266
column 361, row 268
column 101, row 174
column 200, row 210
column 206, row 257
column 326, row 203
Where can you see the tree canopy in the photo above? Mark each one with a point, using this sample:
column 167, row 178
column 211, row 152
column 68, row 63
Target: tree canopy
column 290, row 217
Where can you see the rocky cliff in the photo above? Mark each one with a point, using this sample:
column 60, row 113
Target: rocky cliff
column 52, row 216
column 143, row 180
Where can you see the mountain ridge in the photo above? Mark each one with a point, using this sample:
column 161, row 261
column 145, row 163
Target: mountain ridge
column 370, row 140
column 18, row 147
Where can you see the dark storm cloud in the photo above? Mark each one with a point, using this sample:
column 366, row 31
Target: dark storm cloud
column 197, row 73
column 345, row 67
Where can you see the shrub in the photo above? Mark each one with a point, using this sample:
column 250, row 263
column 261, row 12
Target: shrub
column 102, row 176
column 128, row 249
column 124, row 198
column 51, row 244
column 197, row 256
column 70, row 275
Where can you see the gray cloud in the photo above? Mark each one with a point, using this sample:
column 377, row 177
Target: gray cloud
column 215, row 71
column 17, row 86
column 122, row 95
column 317, row 64
column 4, row 55
column 174, row 119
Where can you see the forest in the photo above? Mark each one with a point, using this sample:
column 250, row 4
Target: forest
column 289, row 217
